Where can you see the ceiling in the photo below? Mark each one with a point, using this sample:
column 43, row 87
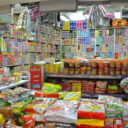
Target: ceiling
column 9, row 2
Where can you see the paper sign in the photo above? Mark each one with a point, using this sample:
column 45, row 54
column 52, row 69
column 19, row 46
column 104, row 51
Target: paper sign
column 36, row 77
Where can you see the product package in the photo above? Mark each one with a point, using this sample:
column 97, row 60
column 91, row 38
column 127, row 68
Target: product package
column 75, row 96
column 63, row 111
column 91, row 114
column 91, row 109
column 101, row 87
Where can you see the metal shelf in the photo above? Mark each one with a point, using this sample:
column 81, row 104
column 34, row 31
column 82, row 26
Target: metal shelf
column 95, row 95
column 14, row 85
column 104, row 77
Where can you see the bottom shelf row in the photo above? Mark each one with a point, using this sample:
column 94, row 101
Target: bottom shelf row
column 91, row 86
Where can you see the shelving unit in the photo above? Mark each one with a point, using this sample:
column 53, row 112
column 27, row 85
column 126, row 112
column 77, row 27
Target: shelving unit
column 51, row 42
column 90, row 77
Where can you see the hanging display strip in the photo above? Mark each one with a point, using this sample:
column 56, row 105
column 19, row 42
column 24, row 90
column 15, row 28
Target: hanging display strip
column 74, row 25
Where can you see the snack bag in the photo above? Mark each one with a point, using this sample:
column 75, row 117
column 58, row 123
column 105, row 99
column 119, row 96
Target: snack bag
column 11, row 124
column 91, row 109
column 29, row 122
column 109, row 123
column 51, row 88
column 76, row 86
column 39, row 105
column 37, row 117
column 91, row 122
column 2, row 120
column 75, row 96
column 118, row 123
column 63, row 112
column 62, row 94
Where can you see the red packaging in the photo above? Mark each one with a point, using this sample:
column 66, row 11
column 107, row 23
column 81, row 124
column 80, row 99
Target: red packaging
column 39, row 94
column 86, row 126
column 29, row 121
column 118, row 123
column 88, row 87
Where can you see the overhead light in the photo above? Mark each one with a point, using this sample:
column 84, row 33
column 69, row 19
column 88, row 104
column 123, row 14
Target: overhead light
column 63, row 18
column 86, row 16
column 77, row 16
column 117, row 15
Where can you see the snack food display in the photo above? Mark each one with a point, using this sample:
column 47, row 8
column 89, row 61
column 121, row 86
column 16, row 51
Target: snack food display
column 96, row 67
column 70, row 111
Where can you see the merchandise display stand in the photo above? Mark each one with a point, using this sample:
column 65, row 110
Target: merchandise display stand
column 22, row 82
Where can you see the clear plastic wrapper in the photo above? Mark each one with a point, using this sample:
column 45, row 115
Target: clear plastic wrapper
column 39, row 105
column 75, row 96
column 91, row 109
column 110, row 100
column 50, row 88
column 63, row 111
column 91, row 122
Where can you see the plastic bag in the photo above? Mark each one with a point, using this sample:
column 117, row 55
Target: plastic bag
column 63, row 111
column 91, row 109
column 62, row 95
column 39, row 94
column 29, row 122
column 39, row 105
column 75, row 96
column 91, row 122
column 51, row 88
column 2, row 120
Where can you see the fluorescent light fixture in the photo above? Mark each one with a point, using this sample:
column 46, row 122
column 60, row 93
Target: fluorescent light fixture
column 77, row 16
column 63, row 18
column 86, row 16
column 117, row 15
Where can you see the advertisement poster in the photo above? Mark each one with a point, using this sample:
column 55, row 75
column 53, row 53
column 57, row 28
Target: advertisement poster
column 1, row 59
column 36, row 77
